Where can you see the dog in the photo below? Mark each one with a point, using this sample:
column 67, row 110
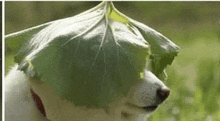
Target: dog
column 142, row 99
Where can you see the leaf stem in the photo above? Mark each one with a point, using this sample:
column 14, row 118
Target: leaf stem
column 106, row 8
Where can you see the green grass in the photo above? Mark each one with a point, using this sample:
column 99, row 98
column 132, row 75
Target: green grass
column 194, row 83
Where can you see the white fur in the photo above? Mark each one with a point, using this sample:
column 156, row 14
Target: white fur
column 21, row 107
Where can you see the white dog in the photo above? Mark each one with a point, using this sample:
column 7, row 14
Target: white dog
column 97, row 66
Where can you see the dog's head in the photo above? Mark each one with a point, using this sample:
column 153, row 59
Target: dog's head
column 96, row 60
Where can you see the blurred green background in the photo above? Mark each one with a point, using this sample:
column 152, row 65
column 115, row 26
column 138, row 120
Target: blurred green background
column 194, row 77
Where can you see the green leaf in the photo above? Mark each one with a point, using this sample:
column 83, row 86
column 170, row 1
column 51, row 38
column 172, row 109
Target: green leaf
column 15, row 40
column 94, row 57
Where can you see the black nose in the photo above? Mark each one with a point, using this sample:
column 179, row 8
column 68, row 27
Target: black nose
column 163, row 94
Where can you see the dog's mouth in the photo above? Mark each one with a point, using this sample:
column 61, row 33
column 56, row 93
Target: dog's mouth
column 145, row 109
column 134, row 109
column 150, row 108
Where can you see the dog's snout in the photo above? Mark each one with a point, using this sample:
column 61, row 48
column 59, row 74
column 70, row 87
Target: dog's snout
column 163, row 94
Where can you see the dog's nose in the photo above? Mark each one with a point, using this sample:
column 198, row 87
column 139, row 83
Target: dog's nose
column 163, row 94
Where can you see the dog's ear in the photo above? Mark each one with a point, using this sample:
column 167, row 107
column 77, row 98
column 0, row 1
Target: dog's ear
column 15, row 40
